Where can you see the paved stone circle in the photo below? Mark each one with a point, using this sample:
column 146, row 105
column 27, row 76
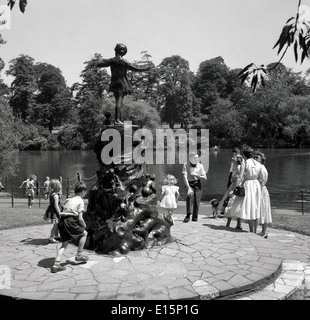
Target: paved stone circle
column 206, row 261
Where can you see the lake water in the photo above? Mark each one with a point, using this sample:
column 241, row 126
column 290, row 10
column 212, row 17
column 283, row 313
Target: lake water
column 288, row 172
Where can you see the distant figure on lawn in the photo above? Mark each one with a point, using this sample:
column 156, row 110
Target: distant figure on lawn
column 24, row 183
column 30, row 189
column 46, row 187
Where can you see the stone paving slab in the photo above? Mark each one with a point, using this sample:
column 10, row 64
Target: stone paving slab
column 207, row 261
column 292, row 278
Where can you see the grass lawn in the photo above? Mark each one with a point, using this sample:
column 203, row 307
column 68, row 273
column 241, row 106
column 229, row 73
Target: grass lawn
column 20, row 217
column 291, row 221
column 282, row 219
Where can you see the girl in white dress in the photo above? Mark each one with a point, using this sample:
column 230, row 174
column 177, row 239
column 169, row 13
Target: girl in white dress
column 170, row 194
column 248, row 207
column 265, row 207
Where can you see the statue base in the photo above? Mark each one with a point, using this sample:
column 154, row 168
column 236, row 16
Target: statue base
column 122, row 213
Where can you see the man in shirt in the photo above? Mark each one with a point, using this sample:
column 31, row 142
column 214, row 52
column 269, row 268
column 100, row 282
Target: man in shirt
column 193, row 171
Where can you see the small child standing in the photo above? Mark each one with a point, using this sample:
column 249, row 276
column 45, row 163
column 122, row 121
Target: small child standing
column 53, row 211
column 170, row 194
column 72, row 226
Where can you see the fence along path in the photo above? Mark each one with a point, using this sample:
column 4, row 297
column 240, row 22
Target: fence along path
column 16, row 196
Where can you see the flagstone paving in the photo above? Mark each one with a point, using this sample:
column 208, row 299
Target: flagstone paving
column 206, row 261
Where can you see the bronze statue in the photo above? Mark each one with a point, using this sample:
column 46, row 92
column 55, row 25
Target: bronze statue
column 121, row 214
column 119, row 85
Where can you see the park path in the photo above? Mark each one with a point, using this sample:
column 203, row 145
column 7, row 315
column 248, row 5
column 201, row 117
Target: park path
column 207, row 261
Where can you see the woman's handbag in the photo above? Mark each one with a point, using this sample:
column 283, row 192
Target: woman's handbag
column 239, row 191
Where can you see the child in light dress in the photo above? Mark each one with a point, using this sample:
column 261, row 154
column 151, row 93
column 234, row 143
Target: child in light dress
column 170, row 194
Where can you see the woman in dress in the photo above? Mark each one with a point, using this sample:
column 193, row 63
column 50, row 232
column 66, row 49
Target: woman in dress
column 247, row 207
column 235, row 179
column 265, row 207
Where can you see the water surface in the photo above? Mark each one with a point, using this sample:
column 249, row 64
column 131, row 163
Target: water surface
column 288, row 172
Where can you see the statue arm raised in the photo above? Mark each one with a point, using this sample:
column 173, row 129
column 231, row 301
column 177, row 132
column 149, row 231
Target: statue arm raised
column 133, row 68
column 104, row 63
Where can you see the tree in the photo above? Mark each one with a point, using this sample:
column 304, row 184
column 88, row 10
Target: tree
column 175, row 91
column 141, row 113
column 296, row 33
column 263, row 110
column 211, row 82
column 297, row 121
column 91, row 116
column 9, row 140
column 145, row 83
column 89, row 98
column 95, row 81
column 226, row 124
column 31, row 139
column 4, row 89
column 70, row 138
column 23, row 86
column 53, row 100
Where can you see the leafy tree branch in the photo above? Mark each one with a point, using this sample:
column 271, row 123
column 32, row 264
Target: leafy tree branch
column 296, row 33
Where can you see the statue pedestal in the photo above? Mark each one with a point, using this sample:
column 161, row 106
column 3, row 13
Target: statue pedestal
column 122, row 215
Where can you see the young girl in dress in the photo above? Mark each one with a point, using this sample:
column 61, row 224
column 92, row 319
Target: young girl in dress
column 53, row 211
column 170, row 194
column 72, row 226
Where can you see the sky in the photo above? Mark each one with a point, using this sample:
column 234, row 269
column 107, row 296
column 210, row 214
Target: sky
column 66, row 33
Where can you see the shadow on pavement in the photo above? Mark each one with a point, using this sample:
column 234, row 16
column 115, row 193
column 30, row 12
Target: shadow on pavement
column 211, row 226
column 46, row 262
column 36, row 242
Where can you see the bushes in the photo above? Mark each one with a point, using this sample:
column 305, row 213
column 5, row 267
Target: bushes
column 69, row 138
column 36, row 138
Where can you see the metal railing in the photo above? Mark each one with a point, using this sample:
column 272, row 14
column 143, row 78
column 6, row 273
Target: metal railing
column 13, row 195
column 305, row 197
column 16, row 196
